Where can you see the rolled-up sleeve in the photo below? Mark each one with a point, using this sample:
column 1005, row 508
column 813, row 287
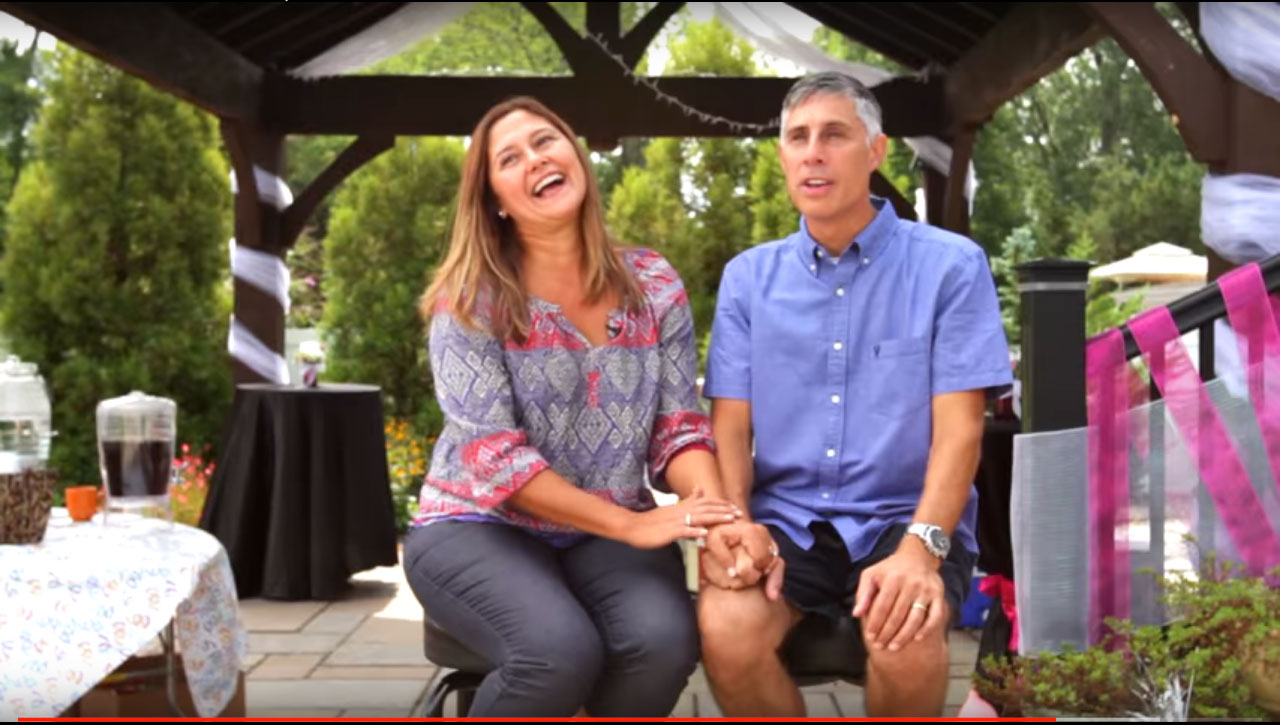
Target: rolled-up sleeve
column 482, row 454
column 680, row 424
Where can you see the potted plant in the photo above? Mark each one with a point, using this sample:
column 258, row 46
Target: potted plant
column 1217, row 657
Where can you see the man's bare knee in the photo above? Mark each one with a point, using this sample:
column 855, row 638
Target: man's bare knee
column 741, row 633
column 911, row 682
column 739, row 626
column 914, row 660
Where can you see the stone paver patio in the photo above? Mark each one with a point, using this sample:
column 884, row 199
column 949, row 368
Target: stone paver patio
column 361, row 656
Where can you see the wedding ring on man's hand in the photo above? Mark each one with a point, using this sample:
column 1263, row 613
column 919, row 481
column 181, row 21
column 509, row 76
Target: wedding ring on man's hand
column 688, row 520
column 773, row 550
column 920, row 605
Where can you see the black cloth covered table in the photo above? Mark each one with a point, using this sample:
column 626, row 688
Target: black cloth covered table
column 995, row 543
column 301, row 496
column 995, row 486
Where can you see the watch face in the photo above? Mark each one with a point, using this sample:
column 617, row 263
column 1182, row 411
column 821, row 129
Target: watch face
column 938, row 539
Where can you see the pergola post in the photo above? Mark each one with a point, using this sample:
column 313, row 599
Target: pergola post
column 261, row 294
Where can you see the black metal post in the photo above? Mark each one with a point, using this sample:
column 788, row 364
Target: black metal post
column 1052, row 368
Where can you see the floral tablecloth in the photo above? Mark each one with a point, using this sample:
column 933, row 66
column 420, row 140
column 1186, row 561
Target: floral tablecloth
column 74, row 607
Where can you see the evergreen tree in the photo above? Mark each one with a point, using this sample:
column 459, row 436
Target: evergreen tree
column 115, row 265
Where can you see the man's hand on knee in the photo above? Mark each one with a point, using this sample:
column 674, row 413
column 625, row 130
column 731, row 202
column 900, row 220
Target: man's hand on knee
column 900, row 600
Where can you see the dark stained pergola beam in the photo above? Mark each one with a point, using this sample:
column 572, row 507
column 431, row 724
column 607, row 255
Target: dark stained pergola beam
column 361, row 151
column 1181, row 77
column 1034, row 40
column 150, row 41
column 607, row 111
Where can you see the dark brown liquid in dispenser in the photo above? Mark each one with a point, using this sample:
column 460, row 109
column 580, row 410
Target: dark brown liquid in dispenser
column 137, row 468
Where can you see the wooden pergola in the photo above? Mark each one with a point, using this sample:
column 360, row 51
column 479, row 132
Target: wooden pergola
column 234, row 61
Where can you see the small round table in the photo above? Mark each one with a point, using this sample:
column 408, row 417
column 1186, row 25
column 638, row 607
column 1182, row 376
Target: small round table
column 301, row 497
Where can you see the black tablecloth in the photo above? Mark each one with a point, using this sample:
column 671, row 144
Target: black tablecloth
column 995, row 544
column 995, row 485
column 301, row 497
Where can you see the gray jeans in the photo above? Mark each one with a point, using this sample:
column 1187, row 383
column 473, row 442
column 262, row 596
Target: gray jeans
column 600, row 625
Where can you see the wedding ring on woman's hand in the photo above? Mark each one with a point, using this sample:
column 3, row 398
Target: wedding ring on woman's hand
column 920, row 605
column 688, row 520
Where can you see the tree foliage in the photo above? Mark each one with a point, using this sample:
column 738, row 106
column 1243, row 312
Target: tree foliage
column 114, row 269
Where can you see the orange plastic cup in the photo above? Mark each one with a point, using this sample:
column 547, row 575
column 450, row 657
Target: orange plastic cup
column 82, row 502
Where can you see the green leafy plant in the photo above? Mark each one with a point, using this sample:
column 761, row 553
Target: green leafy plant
column 114, row 268
column 1221, row 628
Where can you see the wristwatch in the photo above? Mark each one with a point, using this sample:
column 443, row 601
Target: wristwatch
column 935, row 539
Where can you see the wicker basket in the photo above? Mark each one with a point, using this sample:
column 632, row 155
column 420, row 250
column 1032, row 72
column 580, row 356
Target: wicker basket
column 25, row 500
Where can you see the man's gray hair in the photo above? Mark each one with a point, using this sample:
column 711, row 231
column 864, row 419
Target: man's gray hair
column 843, row 84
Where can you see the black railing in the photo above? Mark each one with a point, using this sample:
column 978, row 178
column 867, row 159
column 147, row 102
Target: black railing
column 1053, row 294
column 1052, row 368
column 1201, row 308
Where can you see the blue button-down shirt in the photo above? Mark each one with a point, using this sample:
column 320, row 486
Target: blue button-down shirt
column 840, row 357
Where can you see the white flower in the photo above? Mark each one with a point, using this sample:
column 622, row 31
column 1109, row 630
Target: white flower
column 311, row 351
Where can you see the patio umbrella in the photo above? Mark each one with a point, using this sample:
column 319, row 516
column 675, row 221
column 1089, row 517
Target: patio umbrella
column 1160, row 262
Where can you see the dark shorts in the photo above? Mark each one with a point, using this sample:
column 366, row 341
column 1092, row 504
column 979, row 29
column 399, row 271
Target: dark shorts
column 824, row 580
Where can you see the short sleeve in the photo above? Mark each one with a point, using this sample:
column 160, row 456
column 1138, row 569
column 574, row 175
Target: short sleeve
column 729, row 354
column 970, row 351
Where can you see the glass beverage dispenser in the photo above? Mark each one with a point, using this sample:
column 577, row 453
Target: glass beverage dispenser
column 136, row 436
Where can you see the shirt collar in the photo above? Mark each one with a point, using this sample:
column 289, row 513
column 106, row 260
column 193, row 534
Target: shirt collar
column 868, row 244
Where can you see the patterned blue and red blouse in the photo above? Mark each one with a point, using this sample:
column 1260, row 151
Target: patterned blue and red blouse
column 606, row 418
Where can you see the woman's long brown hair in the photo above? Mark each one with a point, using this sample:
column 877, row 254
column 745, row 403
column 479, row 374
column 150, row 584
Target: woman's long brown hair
column 484, row 251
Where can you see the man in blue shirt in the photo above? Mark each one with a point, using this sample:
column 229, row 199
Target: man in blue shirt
column 856, row 356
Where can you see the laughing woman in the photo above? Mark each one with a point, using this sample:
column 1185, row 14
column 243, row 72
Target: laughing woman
column 565, row 366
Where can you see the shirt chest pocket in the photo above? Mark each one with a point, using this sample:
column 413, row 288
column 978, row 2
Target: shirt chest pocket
column 895, row 375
